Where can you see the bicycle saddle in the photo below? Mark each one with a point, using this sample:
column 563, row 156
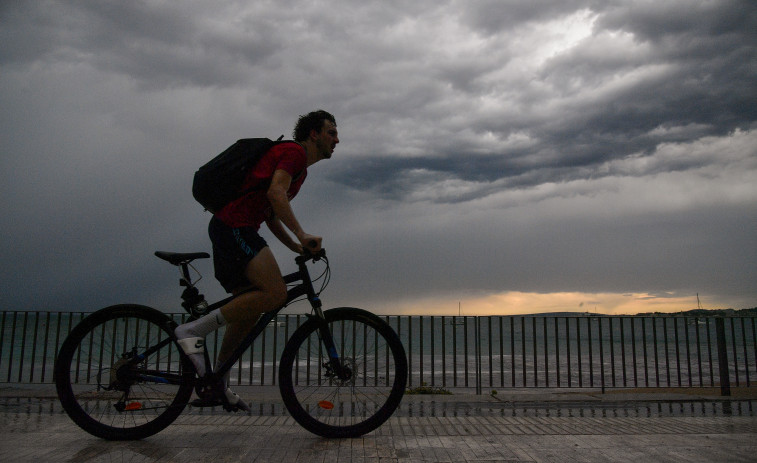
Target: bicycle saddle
column 178, row 258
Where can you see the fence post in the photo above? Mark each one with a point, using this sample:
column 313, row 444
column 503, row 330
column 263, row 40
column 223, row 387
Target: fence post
column 725, row 380
column 478, row 355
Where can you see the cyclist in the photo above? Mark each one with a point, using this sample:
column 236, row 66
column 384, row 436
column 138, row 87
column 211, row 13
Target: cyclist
column 242, row 259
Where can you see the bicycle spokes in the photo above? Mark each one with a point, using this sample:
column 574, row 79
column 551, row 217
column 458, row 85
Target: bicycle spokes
column 353, row 389
column 119, row 376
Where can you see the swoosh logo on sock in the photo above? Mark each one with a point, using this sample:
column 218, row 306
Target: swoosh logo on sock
column 200, row 343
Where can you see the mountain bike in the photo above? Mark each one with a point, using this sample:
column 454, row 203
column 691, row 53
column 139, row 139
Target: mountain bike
column 120, row 374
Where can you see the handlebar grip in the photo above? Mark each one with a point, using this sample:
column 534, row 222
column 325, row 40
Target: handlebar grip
column 308, row 254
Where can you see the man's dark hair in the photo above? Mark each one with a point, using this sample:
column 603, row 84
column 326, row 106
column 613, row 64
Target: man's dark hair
column 311, row 121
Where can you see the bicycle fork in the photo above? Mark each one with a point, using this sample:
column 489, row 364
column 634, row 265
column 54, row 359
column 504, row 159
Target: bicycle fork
column 335, row 367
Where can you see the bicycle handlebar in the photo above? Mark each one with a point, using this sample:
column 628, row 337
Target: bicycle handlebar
column 308, row 255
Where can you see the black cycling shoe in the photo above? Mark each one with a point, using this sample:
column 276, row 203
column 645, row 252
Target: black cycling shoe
column 230, row 401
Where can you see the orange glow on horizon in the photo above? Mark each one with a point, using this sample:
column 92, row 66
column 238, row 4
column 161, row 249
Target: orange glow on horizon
column 519, row 303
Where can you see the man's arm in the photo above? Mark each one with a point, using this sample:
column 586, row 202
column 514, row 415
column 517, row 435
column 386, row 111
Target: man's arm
column 277, row 196
column 274, row 224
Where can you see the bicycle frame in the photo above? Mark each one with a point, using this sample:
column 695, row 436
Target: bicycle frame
column 303, row 289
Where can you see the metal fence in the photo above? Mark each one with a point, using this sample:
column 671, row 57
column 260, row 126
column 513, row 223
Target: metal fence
column 491, row 352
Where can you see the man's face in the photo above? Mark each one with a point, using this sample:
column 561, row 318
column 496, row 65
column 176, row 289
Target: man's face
column 327, row 139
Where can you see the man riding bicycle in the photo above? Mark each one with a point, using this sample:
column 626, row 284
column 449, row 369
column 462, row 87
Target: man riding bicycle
column 242, row 259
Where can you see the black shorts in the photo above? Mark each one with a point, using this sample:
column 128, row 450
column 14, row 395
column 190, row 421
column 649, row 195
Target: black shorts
column 233, row 249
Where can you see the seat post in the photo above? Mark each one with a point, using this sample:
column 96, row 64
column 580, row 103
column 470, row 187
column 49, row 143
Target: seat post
column 186, row 280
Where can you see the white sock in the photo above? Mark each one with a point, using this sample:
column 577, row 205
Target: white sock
column 202, row 326
column 199, row 329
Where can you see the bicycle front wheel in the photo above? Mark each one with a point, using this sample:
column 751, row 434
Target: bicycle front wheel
column 119, row 376
column 370, row 353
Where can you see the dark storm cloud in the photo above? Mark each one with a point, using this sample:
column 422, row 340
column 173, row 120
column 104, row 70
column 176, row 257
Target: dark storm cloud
column 158, row 45
column 492, row 16
column 681, row 72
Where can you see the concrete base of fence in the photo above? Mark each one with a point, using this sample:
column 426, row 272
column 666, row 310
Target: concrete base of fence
column 518, row 395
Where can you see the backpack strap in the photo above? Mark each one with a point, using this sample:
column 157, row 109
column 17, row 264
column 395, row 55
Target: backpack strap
column 265, row 185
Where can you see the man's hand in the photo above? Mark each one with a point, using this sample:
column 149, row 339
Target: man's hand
column 310, row 242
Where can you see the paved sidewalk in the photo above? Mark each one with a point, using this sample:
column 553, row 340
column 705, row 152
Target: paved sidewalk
column 518, row 426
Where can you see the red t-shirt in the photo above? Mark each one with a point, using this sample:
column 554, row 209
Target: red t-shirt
column 254, row 208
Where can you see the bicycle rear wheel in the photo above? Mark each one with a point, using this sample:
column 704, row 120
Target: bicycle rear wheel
column 120, row 377
column 373, row 355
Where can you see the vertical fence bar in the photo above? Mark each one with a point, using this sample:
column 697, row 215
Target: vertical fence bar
column 633, row 353
column 591, row 351
column 34, row 347
column 709, row 354
column 44, row 350
column 477, row 339
column 12, row 347
column 523, row 347
column 725, row 381
column 678, row 350
column 433, row 363
column 410, row 351
column 444, row 354
column 512, row 351
column 612, row 351
column 365, row 350
column 502, row 354
column 557, row 350
column 623, row 349
column 646, row 357
column 251, row 376
column 656, row 356
column 578, row 352
column 533, row 343
column 754, row 343
column 465, row 348
column 688, row 350
column 667, row 358
column 601, row 355
column 491, row 362
column 567, row 352
column 699, row 351
column 2, row 337
column 262, row 356
column 735, row 352
column 546, row 353
column 275, row 346
column 454, row 351
column 746, row 358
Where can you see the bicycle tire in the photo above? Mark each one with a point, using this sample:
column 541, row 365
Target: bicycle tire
column 123, row 403
column 330, row 407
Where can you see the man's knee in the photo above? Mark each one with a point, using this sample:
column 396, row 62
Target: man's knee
column 278, row 294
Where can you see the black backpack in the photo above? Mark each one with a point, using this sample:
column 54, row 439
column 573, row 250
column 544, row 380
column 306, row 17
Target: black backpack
column 219, row 182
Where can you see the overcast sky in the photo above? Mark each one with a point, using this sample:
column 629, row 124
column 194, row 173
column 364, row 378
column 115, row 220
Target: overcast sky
column 507, row 156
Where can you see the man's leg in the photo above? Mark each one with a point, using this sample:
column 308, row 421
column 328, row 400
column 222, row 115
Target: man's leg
column 242, row 312
column 239, row 315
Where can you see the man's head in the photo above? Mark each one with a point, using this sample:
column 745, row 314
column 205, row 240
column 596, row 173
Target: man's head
column 311, row 121
column 319, row 128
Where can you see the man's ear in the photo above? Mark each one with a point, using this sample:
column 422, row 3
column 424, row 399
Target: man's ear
column 314, row 134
